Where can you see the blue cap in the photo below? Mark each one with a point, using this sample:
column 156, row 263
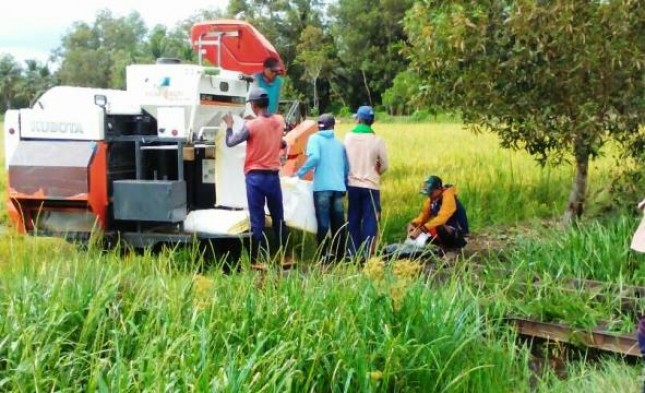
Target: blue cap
column 258, row 94
column 365, row 113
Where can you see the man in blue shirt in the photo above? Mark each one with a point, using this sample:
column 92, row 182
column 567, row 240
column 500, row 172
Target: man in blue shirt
column 326, row 157
column 271, row 81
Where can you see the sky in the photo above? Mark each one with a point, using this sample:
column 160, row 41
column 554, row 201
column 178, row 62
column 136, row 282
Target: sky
column 31, row 29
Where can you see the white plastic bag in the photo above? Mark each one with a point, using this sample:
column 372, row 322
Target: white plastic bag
column 230, row 187
column 298, row 201
column 217, row 221
column 419, row 241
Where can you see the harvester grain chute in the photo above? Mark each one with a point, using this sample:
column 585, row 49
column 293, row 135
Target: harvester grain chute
column 147, row 164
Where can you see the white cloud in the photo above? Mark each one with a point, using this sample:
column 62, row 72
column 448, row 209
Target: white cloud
column 35, row 28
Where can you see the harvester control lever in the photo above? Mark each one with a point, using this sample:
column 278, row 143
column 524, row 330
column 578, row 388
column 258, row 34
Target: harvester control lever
column 246, row 78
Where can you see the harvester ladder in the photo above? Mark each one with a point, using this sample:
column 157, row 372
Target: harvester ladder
column 214, row 38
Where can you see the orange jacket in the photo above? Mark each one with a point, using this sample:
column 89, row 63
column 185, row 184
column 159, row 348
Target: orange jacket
column 448, row 208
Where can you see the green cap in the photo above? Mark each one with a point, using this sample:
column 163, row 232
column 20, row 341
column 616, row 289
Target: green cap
column 430, row 184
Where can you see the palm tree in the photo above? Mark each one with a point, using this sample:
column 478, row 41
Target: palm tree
column 10, row 75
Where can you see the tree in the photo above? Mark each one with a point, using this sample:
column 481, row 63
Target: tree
column 400, row 98
column 36, row 78
column 10, row 74
column 314, row 55
column 558, row 78
column 97, row 55
column 369, row 36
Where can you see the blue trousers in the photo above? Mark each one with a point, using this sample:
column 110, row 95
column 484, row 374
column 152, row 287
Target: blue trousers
column 264, row 187
column 330, row 215
column 363, row 212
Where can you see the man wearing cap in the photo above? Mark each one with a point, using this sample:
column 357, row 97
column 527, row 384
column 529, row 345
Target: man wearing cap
column 271, row 81
column 367, row 159
column 326, row 157
column 263, row 137
column 442, row 217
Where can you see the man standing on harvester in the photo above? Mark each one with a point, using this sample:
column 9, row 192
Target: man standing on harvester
column 263, row 137
column 442, row 217
column 271, row 81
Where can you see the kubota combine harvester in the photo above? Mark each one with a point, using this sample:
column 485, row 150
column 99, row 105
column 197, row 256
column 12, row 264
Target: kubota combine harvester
column 145, row 165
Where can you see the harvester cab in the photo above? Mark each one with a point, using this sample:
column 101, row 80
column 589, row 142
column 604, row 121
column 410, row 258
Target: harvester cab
column 147, row 164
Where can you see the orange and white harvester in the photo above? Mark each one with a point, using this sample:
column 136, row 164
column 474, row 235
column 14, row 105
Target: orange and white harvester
column 148, row 164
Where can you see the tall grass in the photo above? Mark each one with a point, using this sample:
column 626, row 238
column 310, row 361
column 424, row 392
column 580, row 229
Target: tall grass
column 606, row 377
column 95, row 322
column 594, row 249
column 497, row 186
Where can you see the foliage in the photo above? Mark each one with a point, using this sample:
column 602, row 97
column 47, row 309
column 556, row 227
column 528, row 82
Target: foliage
column 400, row 99
column 368, row 36
column 10, row 73
column 20, row 85
column 556, row 78
column 97, row 55
column 420, row 115
column 36, row 79
column 344, row 112
column 314, row 55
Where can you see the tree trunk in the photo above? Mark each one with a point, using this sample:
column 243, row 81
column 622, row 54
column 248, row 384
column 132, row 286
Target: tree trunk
column 575, row 207
column 316, row 95
column 367, row 87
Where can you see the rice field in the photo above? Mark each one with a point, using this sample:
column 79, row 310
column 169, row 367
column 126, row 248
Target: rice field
column 498, row 187
column 86, row 320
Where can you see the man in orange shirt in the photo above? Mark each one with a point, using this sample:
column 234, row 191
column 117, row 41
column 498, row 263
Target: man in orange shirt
column 263, row 137
column 442, row 217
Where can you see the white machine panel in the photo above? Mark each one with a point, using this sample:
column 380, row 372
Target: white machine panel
column 80, row 99
column 71, row 123
column 171, row 122
column 162, row 85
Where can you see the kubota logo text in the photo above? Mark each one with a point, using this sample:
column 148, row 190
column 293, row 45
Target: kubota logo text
column 56, row 127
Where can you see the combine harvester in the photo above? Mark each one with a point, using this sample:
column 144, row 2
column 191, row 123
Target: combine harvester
column 147, row 165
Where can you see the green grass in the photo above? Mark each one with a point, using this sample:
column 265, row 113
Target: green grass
column 595, row 249
column 94, row 321
column 606, row 377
